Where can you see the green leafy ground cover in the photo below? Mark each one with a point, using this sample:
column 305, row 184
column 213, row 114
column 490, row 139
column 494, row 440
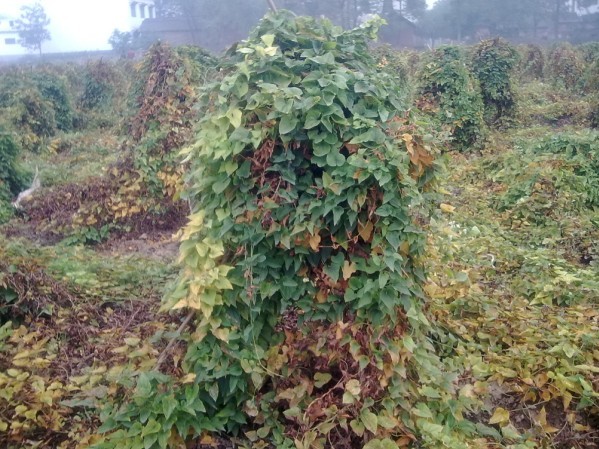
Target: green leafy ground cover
column 512, row 290
column 515, row 286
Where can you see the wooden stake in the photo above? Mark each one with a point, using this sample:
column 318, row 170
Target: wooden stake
column 271, row 4
column 173, row 340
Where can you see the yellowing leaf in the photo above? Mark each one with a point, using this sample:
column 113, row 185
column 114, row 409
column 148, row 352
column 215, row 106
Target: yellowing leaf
column 510, row 432
column 270, row 51
column 207, row 440
column 189, row 378
column 329, row 183
column 365, row 231
column 268, row 39
column 234, row 116
column 541, row 379
column 501, row 415
column 542, row 420
column 222, row 334
column 407, row 138
column 180, row 304
column 348, row 269
column 132, row 341
column 467, row 391
column 321, row 379
column 353, row 386
column 567, row 398
column 314, row 241
column 594, row 369
column 22, row 355
column 120, row 350
column 404, row 248
column 447, row 208
column 321, row 297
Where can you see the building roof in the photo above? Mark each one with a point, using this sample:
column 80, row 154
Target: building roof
column 168, row 24
column 400, row 18
column 590, row 17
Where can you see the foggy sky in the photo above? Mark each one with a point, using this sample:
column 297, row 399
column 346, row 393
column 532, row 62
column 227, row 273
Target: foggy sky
column 72, row 35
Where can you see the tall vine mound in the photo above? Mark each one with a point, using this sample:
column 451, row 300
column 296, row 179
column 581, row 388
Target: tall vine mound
column 493, row 64
column 139, row 193
column 309, row 183
column 450, row 92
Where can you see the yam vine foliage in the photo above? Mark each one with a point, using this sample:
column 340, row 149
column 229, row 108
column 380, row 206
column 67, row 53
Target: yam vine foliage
column 99, row 81
column 594, row 115
column 582, row 150
column 301, row 257
column 399, row 65
column 53, row 87
column 590, row 81
column 565, row 66
column 531, row 65
column 37, row 105
column 451, row 93
column 554, row 185
column 140, row 191
column 493, row 64
column 12, row 176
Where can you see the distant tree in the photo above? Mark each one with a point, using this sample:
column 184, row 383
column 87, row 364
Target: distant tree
column 125, row 42
column 441, row 21
column 348, row 13
column 32, row 27
column 341, row 12
column 584, row 3
column 218, row 24
column 461, row 19
column 412, row 9
column 215, row 24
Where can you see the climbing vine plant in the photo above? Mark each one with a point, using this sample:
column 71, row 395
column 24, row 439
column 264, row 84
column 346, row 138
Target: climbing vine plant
column 300, row 260
column 449, row 91
column 493, row 64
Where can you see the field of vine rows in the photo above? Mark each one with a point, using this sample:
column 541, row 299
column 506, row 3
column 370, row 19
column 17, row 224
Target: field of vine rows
column 308, row 242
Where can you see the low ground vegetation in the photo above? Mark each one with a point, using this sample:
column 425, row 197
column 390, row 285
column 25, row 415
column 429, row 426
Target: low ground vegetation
column 467, row 320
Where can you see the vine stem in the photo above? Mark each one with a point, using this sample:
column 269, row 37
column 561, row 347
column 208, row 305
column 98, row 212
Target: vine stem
column 271, row 4
column 171, row 343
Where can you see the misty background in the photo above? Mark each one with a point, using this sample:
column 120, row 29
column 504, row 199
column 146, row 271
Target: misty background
column 129, row 26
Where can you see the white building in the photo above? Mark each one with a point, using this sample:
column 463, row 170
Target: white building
column 139, row 10
column 75, row 25
column 9, row 38
column 591, row 9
